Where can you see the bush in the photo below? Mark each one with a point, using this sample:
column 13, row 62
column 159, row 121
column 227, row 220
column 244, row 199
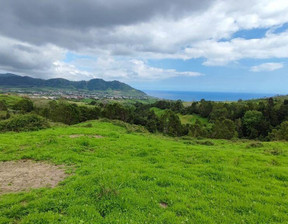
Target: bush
column 28, row 122
column 24, row 105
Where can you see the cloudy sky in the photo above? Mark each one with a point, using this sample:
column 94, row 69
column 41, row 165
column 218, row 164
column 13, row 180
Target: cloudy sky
column 191, row 45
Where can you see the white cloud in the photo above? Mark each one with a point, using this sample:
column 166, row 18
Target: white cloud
column 267, row 67
column 140, row 30
column 221, row 53
column 25, row 58
column 111, row 68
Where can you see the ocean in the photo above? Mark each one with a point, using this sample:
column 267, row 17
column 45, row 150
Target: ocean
column 213, row 96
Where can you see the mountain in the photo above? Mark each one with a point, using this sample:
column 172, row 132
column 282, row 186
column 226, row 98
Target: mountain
column 9, row 80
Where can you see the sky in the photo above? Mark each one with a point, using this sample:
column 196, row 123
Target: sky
column 183, row 45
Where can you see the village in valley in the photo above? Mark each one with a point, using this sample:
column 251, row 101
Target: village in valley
column 70, row 94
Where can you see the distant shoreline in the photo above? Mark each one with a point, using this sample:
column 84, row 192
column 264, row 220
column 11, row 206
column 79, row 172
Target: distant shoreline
column 213, row 96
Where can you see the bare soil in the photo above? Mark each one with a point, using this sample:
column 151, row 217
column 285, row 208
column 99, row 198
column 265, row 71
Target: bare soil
column 23, row 175
column 163, row 204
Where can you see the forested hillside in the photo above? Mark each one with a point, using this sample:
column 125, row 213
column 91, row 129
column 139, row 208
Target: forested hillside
column 15, row 81
column 265, row 119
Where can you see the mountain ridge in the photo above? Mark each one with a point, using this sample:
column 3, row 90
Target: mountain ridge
column 10, row 80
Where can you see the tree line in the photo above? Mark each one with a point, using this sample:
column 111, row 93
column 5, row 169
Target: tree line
column 265, row 119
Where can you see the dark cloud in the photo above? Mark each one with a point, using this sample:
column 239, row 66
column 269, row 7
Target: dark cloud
column 63, row 22
column 94, row 13
column 36, row 34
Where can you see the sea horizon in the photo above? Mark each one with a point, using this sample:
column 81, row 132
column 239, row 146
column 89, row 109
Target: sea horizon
column 189, row 96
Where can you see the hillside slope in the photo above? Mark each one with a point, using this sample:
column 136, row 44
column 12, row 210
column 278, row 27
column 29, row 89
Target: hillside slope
column 15, row 81
column 122, row 176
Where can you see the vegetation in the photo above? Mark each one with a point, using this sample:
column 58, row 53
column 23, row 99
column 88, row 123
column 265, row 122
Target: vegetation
column 121, row 173
column 27, row 122
column 15, row 81
column 260, row 120
column 129, row 177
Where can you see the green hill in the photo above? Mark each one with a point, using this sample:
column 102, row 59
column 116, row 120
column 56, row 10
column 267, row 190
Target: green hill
column 121, row 176
column 25, row 82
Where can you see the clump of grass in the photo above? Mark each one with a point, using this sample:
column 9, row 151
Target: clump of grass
column 189, row 143
column 85, row 143
column 237, row 161
column 255, row 145
column 52, row 140
column 274, row 151
column 207, row 142
column 89, row 125
column 274, row 162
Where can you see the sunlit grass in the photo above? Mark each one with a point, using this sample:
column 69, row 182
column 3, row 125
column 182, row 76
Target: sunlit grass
column 126, row 177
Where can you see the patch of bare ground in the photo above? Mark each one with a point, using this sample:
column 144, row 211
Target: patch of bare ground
column 22, row 175
column 81, row 135
column 163, row 204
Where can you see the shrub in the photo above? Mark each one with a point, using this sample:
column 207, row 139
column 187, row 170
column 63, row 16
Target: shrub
column 28, row 122
column 24, row 105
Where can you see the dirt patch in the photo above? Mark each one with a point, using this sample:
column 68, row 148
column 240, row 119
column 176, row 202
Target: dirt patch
column 26, row 174
column 163, row 204
column 76, row 136
column 81, row 135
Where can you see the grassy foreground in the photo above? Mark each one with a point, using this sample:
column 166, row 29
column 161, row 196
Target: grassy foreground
column 126, row 176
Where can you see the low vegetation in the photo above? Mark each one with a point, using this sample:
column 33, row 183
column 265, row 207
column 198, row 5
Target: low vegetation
column 118, row 172
column 27, row 122
column 137, row 177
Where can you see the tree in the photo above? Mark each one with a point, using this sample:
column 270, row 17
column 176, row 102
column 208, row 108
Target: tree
column 253, row 124
column 219, row 112
column 64, row 112
column 205, row 108
column 170, row 124
column 224, row 129
column 193, row 109
column 117, row 111
column 281, row 133
column 239, row 127
column 177, row 106
column 283, row 111
column 25, row 105
column 197, row 129
column 152, row 121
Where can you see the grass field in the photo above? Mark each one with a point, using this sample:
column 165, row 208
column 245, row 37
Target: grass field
column 185, row 119
column 191, row 119
column 133, row 177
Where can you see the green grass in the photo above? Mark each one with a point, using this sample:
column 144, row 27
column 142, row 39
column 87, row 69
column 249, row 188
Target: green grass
column 123, row 178
column 191, row 119
column 3, row 113
column 185, row 119
column 10, row 99
column 157, row 111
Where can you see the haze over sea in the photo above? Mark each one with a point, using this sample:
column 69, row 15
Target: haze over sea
column 213, row 96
